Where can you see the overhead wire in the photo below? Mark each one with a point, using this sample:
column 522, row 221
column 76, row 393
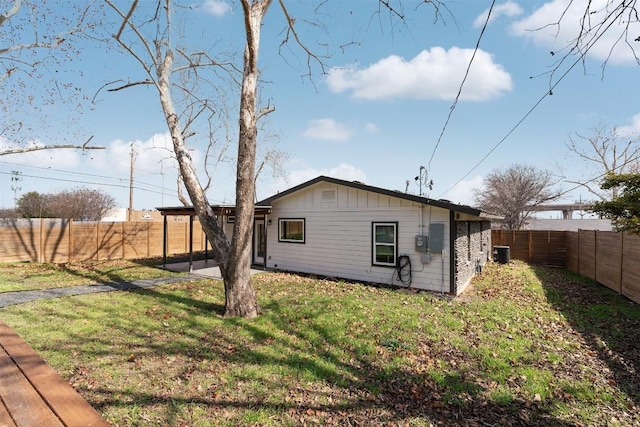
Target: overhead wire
column 464, row 79
column 549, row 92
column 119, row 179
column 123, row 185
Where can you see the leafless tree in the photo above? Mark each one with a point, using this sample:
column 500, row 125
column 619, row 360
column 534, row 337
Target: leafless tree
column 161, row 59
column 8, row 213
column 80, row 204
column 511, row 192
column 606, row 149
column 596, row 20
column 34, row 41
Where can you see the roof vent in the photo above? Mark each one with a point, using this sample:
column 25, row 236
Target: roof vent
column 328, row 194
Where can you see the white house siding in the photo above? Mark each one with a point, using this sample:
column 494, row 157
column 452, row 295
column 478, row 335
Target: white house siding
column 338, row 236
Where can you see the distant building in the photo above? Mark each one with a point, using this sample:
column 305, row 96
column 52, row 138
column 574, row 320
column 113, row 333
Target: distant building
column 121, row 215
column 568, row 224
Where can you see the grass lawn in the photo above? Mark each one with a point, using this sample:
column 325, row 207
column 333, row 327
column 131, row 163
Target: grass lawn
column 34, row 276
column 525, row 346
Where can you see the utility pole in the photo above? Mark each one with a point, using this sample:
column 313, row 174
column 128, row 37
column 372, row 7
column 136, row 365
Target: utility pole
column 16, row 178
column 131, row 185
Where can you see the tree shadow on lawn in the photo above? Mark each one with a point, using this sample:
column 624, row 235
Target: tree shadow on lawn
column 334, row 382
column 608, row 323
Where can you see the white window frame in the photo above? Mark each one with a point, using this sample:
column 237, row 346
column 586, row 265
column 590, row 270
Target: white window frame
column 282, row 226
column 375, row 244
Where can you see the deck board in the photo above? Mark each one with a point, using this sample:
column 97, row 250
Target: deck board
column 5, row 418
column 33, row 393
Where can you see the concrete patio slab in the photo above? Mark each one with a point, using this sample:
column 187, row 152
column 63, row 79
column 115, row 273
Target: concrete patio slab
column 207, row 268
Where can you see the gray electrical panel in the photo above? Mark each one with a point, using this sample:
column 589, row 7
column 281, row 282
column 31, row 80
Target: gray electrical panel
column 421, row 243
column 436, row 238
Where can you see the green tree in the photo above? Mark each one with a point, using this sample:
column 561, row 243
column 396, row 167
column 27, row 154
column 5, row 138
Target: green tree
column 624, row 210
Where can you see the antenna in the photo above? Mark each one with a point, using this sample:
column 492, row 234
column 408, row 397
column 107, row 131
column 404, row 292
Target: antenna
column 16, row 178
column 421, row 180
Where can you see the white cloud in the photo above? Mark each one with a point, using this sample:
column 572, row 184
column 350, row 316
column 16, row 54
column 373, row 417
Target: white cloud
column 59, row 158
column 371, row 128
column 542, row 28
column 508, row 8
column 216, row 7
column 462, row 193
column 149, row 155
column 432, row 74
column 632, row 130
column 327, row 129
column 153, row 157
column 343, row 171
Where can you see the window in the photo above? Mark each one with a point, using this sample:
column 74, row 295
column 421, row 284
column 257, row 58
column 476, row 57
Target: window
column 291, row 230
column 385, row 245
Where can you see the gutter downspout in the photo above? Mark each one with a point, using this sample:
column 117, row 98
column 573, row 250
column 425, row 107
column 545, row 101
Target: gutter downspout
column 452, row 253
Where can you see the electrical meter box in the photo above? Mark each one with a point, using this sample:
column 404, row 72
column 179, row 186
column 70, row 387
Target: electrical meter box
column 436, row 233
column 421, row 243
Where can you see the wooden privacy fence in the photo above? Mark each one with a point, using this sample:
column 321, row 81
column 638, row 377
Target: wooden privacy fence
column 533, row 246
column 610, row 258
column 58, row 241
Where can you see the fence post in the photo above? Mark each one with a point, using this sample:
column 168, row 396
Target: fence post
column 578, row 254
column 621, row 261
column 98, row 241
column 70, row 246
column 595, row 255
column 40, row 241
column 122, row 239
column 148, row 225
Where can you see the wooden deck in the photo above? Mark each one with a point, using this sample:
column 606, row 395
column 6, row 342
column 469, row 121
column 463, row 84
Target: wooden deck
column 33, row 394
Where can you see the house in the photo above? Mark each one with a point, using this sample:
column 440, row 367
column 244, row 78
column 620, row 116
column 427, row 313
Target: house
column 346, row 229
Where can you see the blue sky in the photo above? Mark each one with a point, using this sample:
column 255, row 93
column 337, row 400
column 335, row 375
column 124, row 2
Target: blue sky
column 376, row 116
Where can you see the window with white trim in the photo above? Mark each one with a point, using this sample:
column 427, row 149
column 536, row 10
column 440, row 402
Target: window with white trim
column 385, row 243
column 291, row 230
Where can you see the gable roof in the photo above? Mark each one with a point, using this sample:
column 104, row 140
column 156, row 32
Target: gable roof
column 445, row 204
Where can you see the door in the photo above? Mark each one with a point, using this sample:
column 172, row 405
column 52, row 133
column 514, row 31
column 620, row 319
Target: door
column 259, row 241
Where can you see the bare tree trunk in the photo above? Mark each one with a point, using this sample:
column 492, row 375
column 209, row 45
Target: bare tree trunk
column 240, row 297
column 233, row 256
column 210, row 225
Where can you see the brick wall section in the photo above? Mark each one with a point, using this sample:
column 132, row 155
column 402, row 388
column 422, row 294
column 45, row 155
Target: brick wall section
column 472, row 247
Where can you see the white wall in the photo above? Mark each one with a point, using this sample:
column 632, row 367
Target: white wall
column 338, row 236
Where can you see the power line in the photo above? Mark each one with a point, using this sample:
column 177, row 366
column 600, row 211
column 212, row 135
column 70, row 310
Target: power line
column 92, row 183
column 528, row 113
column 80, row 173
column 466, row 74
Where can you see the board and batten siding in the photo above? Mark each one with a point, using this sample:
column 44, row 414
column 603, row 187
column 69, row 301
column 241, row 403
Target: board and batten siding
column 338, row 236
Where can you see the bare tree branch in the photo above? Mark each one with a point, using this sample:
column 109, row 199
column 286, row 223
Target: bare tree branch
column 128, row 85
column 125, row 19
column 23, row 150
column 607, row 150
